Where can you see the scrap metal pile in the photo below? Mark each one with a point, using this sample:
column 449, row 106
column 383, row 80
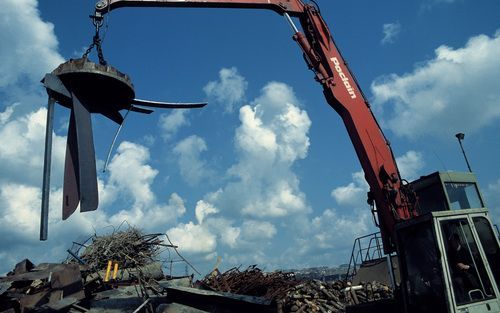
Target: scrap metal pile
column 123, row 265
column 121, row 272
column 131, row 247
column 291, row 295
column 251, row 282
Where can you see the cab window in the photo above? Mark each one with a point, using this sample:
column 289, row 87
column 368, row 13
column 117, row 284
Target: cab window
column 489, row 244
column 469, row 278
column 463, row 196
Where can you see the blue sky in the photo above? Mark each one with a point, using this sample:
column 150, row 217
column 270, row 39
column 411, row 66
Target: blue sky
column 265, row 174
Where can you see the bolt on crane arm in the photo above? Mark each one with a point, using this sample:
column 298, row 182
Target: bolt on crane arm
column 392, row 200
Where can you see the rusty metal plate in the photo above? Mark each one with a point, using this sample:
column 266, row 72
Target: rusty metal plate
column 101, row 87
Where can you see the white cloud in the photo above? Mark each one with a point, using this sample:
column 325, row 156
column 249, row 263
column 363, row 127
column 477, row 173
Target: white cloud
column 229, row 90
column 257, row 230
column 410, row 165
column 354, row 194
column 18, row 205
column 391, row 32
column 193, row 238
column 193, row 168
column 129, row 172
column 23, row 139
column 226, row 232
column 272, row 136
column 204, row 209
column 132, row 178
column 171, row 122
column 332, row 230
column 29, row 46
column 20, row 198
column 5, row 115
column 326, row 238
column 455, row 91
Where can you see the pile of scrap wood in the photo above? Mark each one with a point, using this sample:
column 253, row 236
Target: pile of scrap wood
column 318, row 296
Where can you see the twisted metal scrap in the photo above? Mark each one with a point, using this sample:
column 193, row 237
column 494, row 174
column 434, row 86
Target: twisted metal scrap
column 131, row 247
column 252, row 282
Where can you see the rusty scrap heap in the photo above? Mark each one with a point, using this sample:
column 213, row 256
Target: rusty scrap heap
column 251, row 282
column 121, row 272
column 291, row 295
column 129, row 247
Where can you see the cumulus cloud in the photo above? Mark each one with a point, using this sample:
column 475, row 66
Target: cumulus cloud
column 193, row 238
column 204, row 209
column 130, row 178
column 171, row 122
column 353, row 194
column 327, row 238
column 257, row 230
column 205, row 236
column 391, row 32
column 272, row 136
column 23, row 140
column 228, row 234
column 129, row 171
column 29, row 46
column 19, row 204
column 193, row 168
column 5, row 115
column 410, row 165
column 332, row 230
column 229, row 90
column 455, row 91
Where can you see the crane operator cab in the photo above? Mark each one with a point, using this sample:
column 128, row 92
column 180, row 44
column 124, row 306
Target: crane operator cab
column 449, row 255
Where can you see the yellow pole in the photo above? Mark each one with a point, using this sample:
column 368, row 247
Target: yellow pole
column 115, row 271
column 106, row 278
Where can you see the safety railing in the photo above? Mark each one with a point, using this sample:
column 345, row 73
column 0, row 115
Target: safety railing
column 366, row 248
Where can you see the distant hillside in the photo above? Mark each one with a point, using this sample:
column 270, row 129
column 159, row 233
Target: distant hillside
column 322, row 273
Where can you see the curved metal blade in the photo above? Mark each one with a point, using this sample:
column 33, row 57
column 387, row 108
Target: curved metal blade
column 89, row 197
column 53, row 84
column 71, row 187
column 168, row 105
column 140, row 110
column 113, row 115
